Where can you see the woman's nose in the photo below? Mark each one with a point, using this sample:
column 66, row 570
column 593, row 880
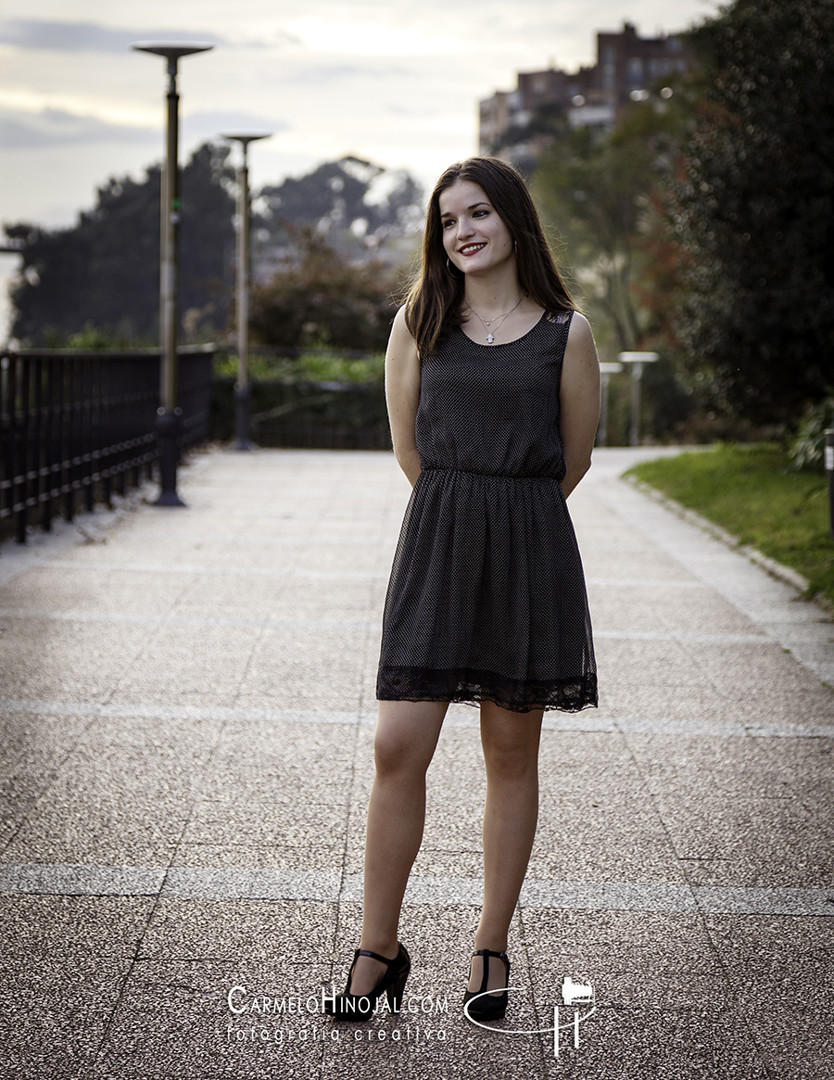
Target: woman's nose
column 464, row 227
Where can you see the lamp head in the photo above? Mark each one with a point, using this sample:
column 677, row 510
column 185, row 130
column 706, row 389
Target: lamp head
column 246, row 138
column 172, row 50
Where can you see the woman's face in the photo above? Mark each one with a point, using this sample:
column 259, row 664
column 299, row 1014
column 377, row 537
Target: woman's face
column 474, row 236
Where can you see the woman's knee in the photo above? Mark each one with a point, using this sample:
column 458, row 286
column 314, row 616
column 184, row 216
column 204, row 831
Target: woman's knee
column 511, row 762
column 511, row 744
column 406, row 736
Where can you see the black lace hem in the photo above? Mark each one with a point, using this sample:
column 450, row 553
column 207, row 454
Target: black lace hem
column 472, row 687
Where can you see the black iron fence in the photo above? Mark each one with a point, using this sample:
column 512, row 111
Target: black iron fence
column 77, row 426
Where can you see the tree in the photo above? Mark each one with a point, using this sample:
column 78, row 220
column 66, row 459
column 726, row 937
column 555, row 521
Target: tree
column 601, row 190
column 754, row 210
column 104, row 271
column 318, row 298
column 361, row 209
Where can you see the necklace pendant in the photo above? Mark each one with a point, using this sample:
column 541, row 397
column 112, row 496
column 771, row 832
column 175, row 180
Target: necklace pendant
column 490, row 338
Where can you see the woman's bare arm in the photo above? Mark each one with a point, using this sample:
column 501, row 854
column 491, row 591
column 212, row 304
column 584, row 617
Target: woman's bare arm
column 402, row 395
column 579, row 401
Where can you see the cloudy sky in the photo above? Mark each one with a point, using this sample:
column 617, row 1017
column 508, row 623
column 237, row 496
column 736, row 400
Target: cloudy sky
column 393, row 81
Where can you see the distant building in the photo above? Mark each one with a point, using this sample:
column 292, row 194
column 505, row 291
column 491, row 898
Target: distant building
column 514, row 123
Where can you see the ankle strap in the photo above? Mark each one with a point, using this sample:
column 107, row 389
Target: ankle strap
column 491, row 952
column 374, row 956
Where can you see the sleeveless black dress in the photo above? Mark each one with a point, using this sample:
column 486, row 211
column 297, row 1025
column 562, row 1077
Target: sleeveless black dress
column 487, row 597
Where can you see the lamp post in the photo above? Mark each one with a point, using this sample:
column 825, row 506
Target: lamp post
column 605, row 371
column 243, row 391
column 637, row 360
column 829, row 472
column 169, row 417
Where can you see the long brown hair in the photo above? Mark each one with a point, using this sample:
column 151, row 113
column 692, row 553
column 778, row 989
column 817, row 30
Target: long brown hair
column 433, row 305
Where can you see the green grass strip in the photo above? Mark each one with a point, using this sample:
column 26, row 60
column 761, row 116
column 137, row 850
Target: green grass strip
column 748, row 490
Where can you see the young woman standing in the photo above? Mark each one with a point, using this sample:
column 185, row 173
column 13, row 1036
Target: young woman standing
column 492, row 385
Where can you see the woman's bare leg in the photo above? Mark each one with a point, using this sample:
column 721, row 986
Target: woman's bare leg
column 405, row 740
column 511, row 754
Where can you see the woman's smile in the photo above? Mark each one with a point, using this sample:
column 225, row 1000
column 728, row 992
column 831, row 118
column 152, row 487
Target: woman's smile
column 470, row 249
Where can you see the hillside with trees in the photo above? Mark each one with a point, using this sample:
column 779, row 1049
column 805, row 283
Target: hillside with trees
column 351, row 222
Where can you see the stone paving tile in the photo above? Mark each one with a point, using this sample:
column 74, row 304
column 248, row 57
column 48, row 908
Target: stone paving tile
column 42, row 660
column 14, row 809
column 267, row 822
column 786, row 868
column 259, row 789
column 774, row 831
column 26, row 774
column 260, row 930
column 99, row 836
column 702, row 611
column 625, row 610
column 629, row 1044
column 618, row 698
column 624, row 842
column 31, row 731
column 241, row 857
column 808, row 705
column 70, row 926
column 172, row 688
column 55, row 1013
column 174, row 1020
column 192, row 739
column 771, row 958
column 751, row 669
column 298, row 689
column 368, row 1055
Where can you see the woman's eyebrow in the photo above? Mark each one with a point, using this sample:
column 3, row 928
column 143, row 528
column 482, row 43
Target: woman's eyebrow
column 474, row 206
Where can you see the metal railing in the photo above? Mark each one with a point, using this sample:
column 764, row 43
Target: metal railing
column 78, row 425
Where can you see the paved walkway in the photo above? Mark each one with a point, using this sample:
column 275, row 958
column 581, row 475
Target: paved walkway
column 186, row 719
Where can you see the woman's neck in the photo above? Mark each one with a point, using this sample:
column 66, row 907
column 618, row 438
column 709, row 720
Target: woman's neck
column 492, row 297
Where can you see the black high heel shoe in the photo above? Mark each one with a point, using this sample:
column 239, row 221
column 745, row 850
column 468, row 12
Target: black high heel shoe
column 492, row 1006
column 348, row 1006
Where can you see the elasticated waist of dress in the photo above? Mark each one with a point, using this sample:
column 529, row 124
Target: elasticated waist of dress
column 521, row 477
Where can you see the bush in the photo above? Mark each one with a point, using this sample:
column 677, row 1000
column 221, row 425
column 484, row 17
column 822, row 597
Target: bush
column 808, row 449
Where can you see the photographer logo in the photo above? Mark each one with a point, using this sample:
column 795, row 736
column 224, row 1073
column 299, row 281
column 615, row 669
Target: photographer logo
column 578, row 1005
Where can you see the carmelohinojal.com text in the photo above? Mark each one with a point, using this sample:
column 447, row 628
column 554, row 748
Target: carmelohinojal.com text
column 257, row 1007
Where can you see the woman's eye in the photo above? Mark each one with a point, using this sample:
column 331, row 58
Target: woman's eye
column 447, row 223
column 480, row 213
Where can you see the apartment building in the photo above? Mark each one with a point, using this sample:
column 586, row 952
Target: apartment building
column 513, row 124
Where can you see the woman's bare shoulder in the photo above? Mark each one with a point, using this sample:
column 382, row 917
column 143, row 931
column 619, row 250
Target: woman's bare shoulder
column 580, row 328
column 399, row 328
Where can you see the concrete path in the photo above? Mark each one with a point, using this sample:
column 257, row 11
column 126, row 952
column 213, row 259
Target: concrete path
column 186, row 721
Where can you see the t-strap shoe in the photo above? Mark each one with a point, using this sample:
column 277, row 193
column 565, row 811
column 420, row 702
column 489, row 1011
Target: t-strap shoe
column 348, row 1006
column 490, row 1006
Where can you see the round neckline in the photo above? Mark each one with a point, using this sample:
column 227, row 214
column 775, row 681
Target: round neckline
column 512, row 341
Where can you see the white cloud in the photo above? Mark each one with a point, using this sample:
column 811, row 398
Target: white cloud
column 57, row 127
column 360, row 38
column 40, row 35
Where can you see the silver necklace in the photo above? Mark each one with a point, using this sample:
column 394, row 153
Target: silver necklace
column 498, row 319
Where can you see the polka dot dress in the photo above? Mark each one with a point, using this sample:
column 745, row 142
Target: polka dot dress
column 487, row 597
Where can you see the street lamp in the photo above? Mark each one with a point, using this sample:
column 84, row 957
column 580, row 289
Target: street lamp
column 243, row 390
column 169, row 417
column 636, row 359
column 605, row 371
